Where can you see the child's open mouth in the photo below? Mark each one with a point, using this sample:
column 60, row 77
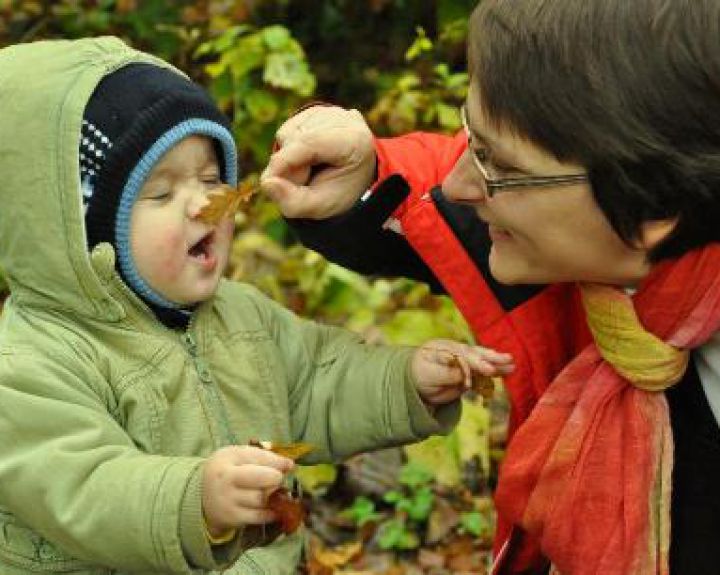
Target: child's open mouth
column 203, row 252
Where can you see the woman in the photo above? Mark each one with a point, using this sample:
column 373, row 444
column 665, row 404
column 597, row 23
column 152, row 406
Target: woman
column 574, row 221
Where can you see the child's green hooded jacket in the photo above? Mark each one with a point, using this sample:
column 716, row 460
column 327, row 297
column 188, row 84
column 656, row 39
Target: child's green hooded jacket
column 106, row 415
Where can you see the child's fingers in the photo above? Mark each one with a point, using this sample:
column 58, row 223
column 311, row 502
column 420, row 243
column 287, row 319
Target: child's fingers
column 252, row 498
column 492, row 355
column 489, row 362
column 456, row 367
column 250, row 476
column 446, row 394
column 249, row 454
column 471, row 360
column 249, row 516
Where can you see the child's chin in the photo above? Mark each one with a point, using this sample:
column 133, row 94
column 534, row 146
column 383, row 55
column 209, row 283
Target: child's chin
column 197, row 297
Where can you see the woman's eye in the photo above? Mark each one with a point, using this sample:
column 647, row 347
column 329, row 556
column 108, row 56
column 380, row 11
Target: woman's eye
column 481, row 154
column 507, row 171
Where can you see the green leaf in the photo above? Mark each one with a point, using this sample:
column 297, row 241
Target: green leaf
column 411, row 327
column 248, row 55
column 448, row 116
column 362, row 511
column 421, row 504
column 262, row 106
column 421, row 44
column 229, row 38
column 276, row 37
column 474, row 523
column 223, row 90
column 222, row 43
column 415, row 475
column 392, row 496
column 473, row 433
column 316, row 479
column 437, row 453
column 395, row 535
column 288, row 71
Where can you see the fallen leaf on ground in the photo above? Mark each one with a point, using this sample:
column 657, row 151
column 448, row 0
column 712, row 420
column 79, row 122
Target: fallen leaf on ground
column 324, row 560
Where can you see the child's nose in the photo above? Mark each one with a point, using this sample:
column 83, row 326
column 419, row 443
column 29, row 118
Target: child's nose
column 197, row 201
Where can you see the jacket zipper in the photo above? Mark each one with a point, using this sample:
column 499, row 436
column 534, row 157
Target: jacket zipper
column 208, row 387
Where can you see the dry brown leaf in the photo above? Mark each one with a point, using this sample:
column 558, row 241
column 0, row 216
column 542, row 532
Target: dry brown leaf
column 292, row 451
column 324, row 560
column 224, row 201
column 339, row 556
column 480, row 384
column 429, row 559
column 289, row 510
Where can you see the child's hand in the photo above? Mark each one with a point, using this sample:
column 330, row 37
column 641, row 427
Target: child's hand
column 443, row 369
column 236, row 483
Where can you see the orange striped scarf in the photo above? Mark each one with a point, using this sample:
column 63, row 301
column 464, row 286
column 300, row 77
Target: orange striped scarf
column 588, row 474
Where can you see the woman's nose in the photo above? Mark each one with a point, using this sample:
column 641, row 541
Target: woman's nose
column 464, row 184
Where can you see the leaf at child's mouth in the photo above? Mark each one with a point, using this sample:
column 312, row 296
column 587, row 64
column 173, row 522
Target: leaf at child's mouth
column 224, row 201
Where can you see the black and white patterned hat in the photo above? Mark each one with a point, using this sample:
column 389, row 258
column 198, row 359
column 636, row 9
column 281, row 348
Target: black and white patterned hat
column 94, row 148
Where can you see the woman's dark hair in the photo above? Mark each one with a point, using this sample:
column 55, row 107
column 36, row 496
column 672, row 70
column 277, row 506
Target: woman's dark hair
column 630, row 89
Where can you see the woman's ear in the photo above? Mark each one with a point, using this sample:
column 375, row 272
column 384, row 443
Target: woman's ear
column 654, row 232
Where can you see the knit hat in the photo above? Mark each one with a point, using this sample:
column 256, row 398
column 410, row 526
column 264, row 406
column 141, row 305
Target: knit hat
column 134, row 116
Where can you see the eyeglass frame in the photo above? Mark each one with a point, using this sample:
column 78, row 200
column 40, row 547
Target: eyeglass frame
column 497, row 185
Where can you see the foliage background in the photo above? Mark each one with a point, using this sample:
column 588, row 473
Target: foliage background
column 402, row 63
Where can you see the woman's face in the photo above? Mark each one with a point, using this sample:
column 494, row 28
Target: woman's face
column 546, row 234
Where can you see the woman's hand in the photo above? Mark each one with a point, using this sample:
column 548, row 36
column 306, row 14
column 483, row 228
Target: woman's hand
column 324, row 162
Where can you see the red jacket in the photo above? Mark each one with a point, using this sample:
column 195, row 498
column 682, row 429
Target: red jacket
column 542, row 332
column 541, row 326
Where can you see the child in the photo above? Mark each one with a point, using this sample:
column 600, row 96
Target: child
column 133, row 378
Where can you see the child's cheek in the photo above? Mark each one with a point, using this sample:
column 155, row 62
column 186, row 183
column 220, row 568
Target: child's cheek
column 225, row 230
column 171, row 254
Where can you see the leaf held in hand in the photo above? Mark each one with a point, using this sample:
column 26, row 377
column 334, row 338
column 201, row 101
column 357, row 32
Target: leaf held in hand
column 292, row 451
column 289, row 510
column 224, row 201
column 480, row 384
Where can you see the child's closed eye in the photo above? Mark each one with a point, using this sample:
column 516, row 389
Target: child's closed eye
column 211, row 179
column 157, row 195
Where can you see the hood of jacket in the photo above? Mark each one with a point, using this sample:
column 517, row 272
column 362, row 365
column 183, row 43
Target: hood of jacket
column 44, row 88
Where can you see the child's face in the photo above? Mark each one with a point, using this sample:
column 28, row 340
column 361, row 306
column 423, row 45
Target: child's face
column 179, row 256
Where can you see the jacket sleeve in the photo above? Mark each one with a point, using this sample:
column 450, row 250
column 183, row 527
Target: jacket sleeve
column 70, row 472
column 346, row 396
column 361, row 239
